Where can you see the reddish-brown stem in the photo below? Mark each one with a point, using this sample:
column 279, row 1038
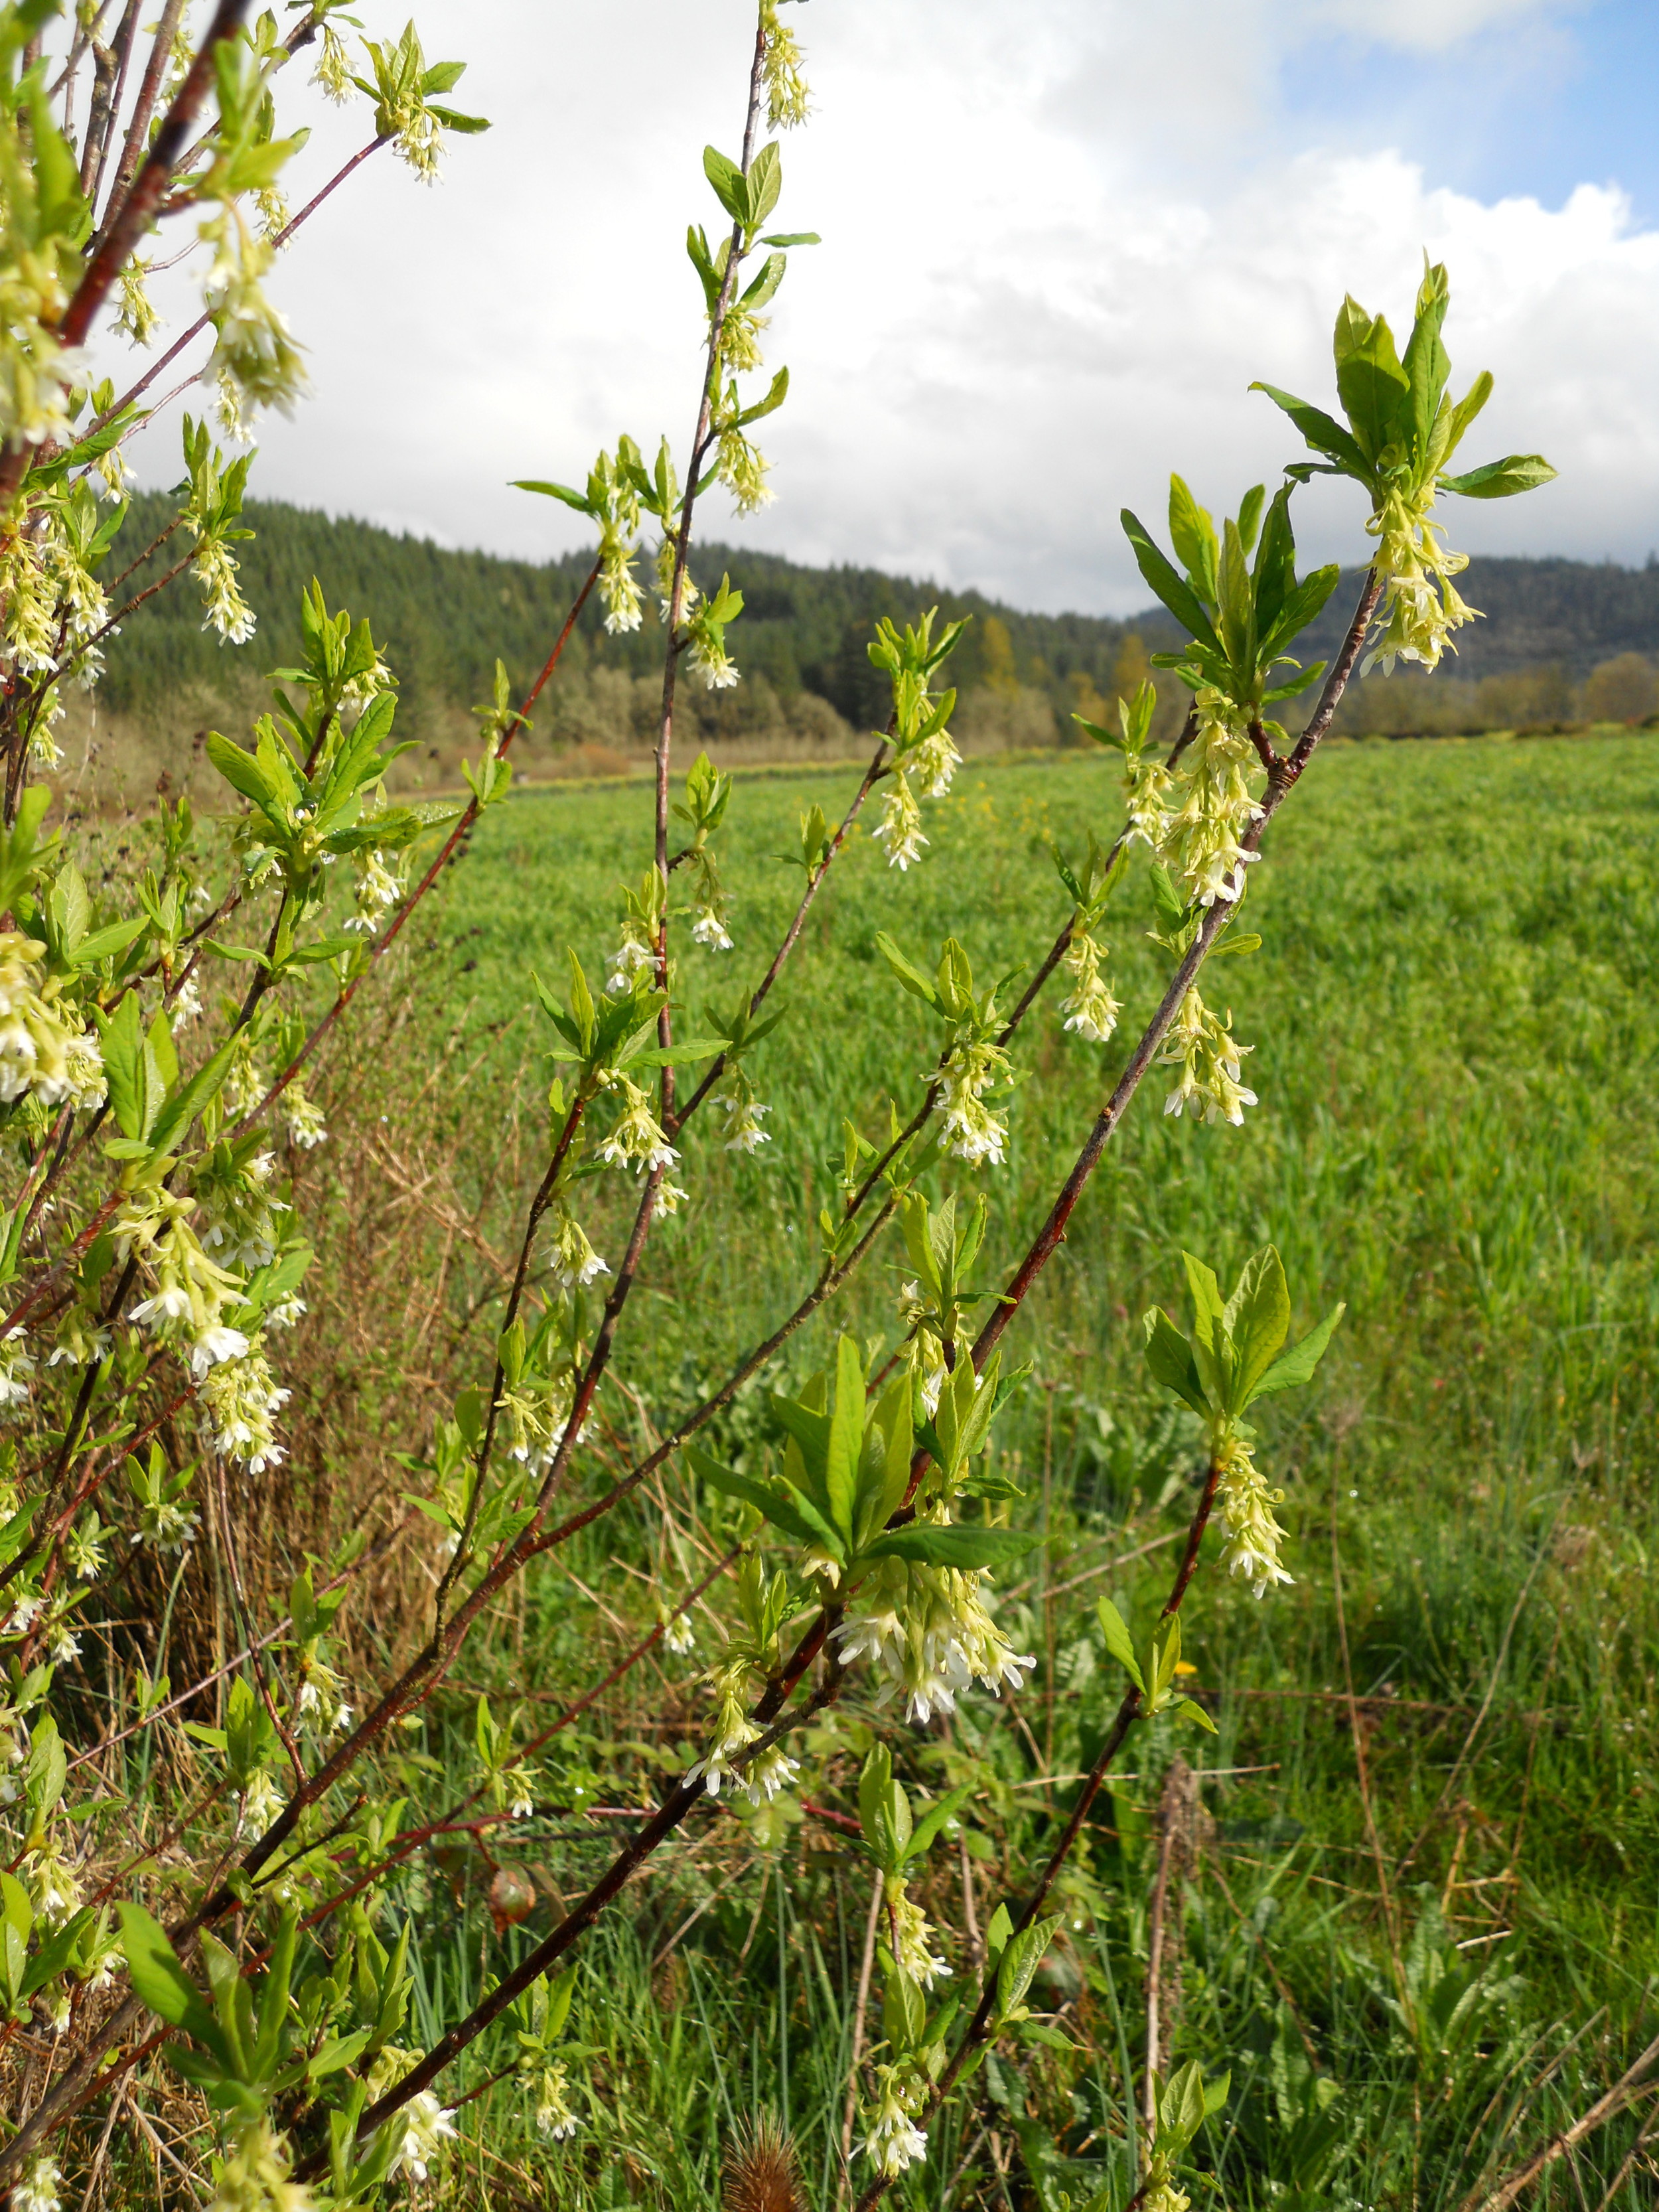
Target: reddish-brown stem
column 203, row 322
column 150, row 89
column 679, row 1804
column 132, row 218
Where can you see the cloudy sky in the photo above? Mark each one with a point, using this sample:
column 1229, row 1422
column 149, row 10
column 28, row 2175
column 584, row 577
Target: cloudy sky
column 1060, row 237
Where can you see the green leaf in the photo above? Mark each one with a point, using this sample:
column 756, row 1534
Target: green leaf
column 1170, row 1355
column 846, row 1441
column 578, row 500
column 1212, row 1353
column 903, row 2009
column 161, row 1981
column 1296, row 1366
column 965, row 1549
column 1465, row 412
column 1516, row 472
column 786, row 1510
column 911, row 977
column 926, row 1828
column 1173, row 589
column 1193, row 535
column 121, row 1040
column 1258, row 1321
column 765, row 182
column 1020, row 1961
column 1427, row 365
column 1322, row 431
column 1119, row 1642
column 180, row 1109
column 1189, row 1709
column 1373, row 388
column 728, row 179
column 243, row 773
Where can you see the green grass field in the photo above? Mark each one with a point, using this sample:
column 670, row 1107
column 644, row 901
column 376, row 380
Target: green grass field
column 1454, row 1021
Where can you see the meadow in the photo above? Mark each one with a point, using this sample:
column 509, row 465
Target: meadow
column 1415, row 1880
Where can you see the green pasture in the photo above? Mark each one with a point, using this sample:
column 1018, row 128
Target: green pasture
column 1454, row 1022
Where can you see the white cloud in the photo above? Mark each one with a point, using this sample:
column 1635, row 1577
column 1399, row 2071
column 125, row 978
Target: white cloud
column 1061, row 239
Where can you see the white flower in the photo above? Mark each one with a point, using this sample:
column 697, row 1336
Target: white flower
column 970, row 1130
column 1090, row 1009
column 769, row 1772
column 554, row 2117
column 63, row 1647
column 927, row 1633
column 710, row 929
column 1210, row 1059
column 1251, row 1536
column 678, row 1635
column 618, row 589
column 899, row 831
column 892, row 2139
column 241, row 1397
column 634, row 955
column 215, row 1346
column 305, row 1120
column 262, row 1801
column 425, row 2127
column 637, row 1138
column 713, row 663
column 575, row 1263
column 912, row 1935
column 743, row 1133
column 936, row 761
column 1419, row 604
column 38, row 2190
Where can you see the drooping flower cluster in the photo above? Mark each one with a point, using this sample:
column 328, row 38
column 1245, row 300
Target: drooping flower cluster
column 637, row 1140
column 968, row 1130
column 927, row 1633
column 1421, row 606
column 1090, row 1007
column 39, row 2191
column 1210, row 1059
column 743, row 1112
column 376, row 891
column 911, row 1934
column 256, row 364
column 555, row 2117
column 40, row 1055
column 1210, row 803
column 936, row 761
column 193, row 1294
column 423, row 2126
column 572, row 1259
column 255, row 2177
column 228, row 613
column 786, row 92
column 760, row 1778
column 926, row 1347
column 1251, row 1534
column 899, row 831
column 241, row 1397
column 892, row 2139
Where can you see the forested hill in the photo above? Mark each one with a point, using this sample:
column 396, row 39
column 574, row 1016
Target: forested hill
column 444, row 617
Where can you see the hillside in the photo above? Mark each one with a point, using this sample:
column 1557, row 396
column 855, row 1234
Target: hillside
column 445, row 616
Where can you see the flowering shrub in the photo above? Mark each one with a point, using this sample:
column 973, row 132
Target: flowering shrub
column 154, row 1056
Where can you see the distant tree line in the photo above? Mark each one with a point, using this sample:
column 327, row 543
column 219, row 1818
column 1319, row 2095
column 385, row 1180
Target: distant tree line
column 1562, row 641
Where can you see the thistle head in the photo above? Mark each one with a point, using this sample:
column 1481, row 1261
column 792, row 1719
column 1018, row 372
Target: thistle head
column 761, row 2171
